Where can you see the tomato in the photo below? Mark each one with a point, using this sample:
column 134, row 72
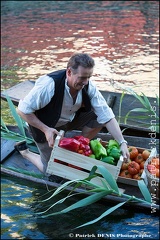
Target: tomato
column 125, row 165
column 145, row 154
column 142, row 165
column 133, row 168
column 155, row 162
column 152, row 169
column 137, row 176
column 80, row 151
column 88, row 152
column 125, row 173
column 133, row 151
column 139, row 158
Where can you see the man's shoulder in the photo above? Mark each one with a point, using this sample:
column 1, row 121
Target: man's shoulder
column 43, row 81
column 57, row 74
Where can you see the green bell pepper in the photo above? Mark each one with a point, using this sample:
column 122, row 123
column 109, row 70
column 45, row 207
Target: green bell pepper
column 113, row 143
column 97, row 148
column 114, row 152
column 92, row 156
column 109, row 160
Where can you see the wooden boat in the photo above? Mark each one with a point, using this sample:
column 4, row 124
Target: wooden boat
column 14, row 165
column 134, row 127
column 136, row 133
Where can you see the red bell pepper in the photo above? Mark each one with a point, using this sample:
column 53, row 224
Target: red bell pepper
column 69, row 144
column 82, row 139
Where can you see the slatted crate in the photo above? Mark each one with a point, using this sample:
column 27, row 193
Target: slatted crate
column 62, row 161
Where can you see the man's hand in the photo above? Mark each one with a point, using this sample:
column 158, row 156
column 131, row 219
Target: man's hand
column 50, row 133
column 125, row 152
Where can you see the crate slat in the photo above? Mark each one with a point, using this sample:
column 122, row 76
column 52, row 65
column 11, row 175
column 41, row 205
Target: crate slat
column 72, row 174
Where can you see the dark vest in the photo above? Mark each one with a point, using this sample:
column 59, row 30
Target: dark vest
column 51, row 113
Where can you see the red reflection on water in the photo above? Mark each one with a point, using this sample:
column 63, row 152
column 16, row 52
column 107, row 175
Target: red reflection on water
column 45, row 40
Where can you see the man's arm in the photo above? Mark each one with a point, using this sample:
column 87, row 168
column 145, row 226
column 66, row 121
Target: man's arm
column 35, row 122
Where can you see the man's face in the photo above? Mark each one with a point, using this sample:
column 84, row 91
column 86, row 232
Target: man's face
column 79, row 79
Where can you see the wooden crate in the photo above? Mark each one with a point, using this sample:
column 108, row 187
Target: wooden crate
column 66, row 158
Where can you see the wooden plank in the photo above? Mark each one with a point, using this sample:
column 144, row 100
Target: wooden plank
column 127, row 181
column 19, row 91
column 69, row 172
column 73, row 174
column 16, row 161
column 23, row 176
column 7, row 148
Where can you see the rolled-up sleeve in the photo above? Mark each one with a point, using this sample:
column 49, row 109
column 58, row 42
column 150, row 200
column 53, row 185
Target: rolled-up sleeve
column 39, row 96
column 100, row 107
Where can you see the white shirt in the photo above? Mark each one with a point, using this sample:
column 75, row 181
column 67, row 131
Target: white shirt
column 43, row 91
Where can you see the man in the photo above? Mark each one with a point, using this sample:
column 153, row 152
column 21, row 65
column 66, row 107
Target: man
column 66, row 99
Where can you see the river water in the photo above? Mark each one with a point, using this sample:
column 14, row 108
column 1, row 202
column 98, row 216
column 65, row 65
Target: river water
column 123, row 37
column 38, row 37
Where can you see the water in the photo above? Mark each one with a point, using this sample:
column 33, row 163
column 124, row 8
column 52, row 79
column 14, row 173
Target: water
column 38, row 37
column 20, row 203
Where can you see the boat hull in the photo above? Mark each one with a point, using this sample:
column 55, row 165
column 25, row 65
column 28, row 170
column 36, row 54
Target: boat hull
column 15, row 166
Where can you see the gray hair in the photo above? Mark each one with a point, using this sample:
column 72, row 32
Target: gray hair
column 80, row 59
